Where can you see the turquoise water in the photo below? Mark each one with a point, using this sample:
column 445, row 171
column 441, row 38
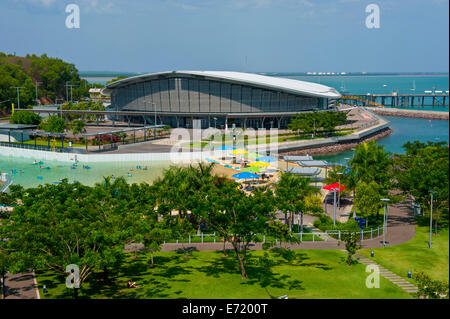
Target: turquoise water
column 385, row 84
column 33, row 175
column 375, row 84
column 404, row 130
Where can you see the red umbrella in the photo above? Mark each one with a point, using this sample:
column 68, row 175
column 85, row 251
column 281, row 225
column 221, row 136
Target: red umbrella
column 331, row 187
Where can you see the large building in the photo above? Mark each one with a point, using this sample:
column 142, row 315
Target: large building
column 218, row 98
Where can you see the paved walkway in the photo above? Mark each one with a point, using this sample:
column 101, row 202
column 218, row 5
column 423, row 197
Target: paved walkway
column 400, row 229
column 343, row 211
column 389, row 275
column 21, row 286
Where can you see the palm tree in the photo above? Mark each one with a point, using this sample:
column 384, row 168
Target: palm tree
column 372, row 163
column 291, row 192
column 77, row 127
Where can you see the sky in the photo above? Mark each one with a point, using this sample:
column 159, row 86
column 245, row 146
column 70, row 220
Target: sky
column 233, row 35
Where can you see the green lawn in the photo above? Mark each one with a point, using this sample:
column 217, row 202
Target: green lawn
column 45, row 143
column 416, row 255
column 311, row 274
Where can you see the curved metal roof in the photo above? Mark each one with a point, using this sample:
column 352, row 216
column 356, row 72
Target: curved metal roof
column 269, row 82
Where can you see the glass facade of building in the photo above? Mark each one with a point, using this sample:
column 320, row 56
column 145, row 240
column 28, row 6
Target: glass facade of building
column 196, row 98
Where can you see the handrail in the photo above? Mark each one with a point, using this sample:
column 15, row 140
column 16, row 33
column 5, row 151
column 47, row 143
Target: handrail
column 327, row 234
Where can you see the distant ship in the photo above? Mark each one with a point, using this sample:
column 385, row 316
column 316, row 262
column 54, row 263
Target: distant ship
column 414, row 86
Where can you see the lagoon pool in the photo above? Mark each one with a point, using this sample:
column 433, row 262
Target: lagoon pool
column 27, row 174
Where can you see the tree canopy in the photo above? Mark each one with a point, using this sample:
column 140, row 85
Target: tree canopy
column 25, row 117
column 313, row 121
column 54, row 124
column 52, row 75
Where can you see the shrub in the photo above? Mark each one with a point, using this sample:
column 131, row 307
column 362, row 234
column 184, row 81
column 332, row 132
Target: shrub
column 25, row 117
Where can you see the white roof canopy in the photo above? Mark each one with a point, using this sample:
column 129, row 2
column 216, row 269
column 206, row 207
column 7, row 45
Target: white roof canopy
column 270, row 82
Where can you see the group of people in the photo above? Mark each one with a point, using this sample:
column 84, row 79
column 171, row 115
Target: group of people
column 138, row 167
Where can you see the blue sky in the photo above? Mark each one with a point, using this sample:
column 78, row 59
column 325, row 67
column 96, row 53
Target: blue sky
column 238, row 35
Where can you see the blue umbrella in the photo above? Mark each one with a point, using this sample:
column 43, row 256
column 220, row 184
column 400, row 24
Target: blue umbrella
column 245, row 175
column 226, row 148
column 266, row 159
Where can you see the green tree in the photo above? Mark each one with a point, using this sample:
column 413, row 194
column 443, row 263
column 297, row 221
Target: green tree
column 6, row 263
column 351, row 241
column 77, row 127
column 425, row 168
column 154, row 238
column 63, row 224
column 372, row 163
column 238, row 217
column 429, row 288
column 313, row 121
column 25, row 117
column 291, row 191
column 53, row 124
column 368, row 201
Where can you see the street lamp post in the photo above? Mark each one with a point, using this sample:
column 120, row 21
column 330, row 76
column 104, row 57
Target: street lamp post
column 334, row 206
column 339, row 183
column 36, row 86
column 18, row 94
column 385, row 200
column 215, row 120
column 431, row 215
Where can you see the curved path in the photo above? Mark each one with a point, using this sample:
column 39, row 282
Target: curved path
column 400, row 229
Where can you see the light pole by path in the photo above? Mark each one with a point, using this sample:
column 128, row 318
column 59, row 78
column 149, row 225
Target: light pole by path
column 215, row 120
column 18, row 94
column 334, row 206
column 339, row 183
column 36, row 86
column 71, row 87
column 431, row 215
column 385, row 200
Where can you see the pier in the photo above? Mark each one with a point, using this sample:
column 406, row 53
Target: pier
column 397, row 100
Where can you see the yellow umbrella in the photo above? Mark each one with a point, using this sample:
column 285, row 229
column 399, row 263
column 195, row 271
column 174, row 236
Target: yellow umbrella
column 259, row 164
column 239, row 151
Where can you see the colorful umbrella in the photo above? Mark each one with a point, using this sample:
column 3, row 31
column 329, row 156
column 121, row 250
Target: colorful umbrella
column 252, row 155
column 245, row 175
column 226, row 148
column 331, row 187
column 239, row 152
column 251, row 169
column 267, row 159
column 259, row 164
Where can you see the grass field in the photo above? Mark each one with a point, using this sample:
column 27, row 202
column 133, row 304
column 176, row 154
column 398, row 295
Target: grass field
column 311, row 274
column 45, row 143
column 415, row 255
